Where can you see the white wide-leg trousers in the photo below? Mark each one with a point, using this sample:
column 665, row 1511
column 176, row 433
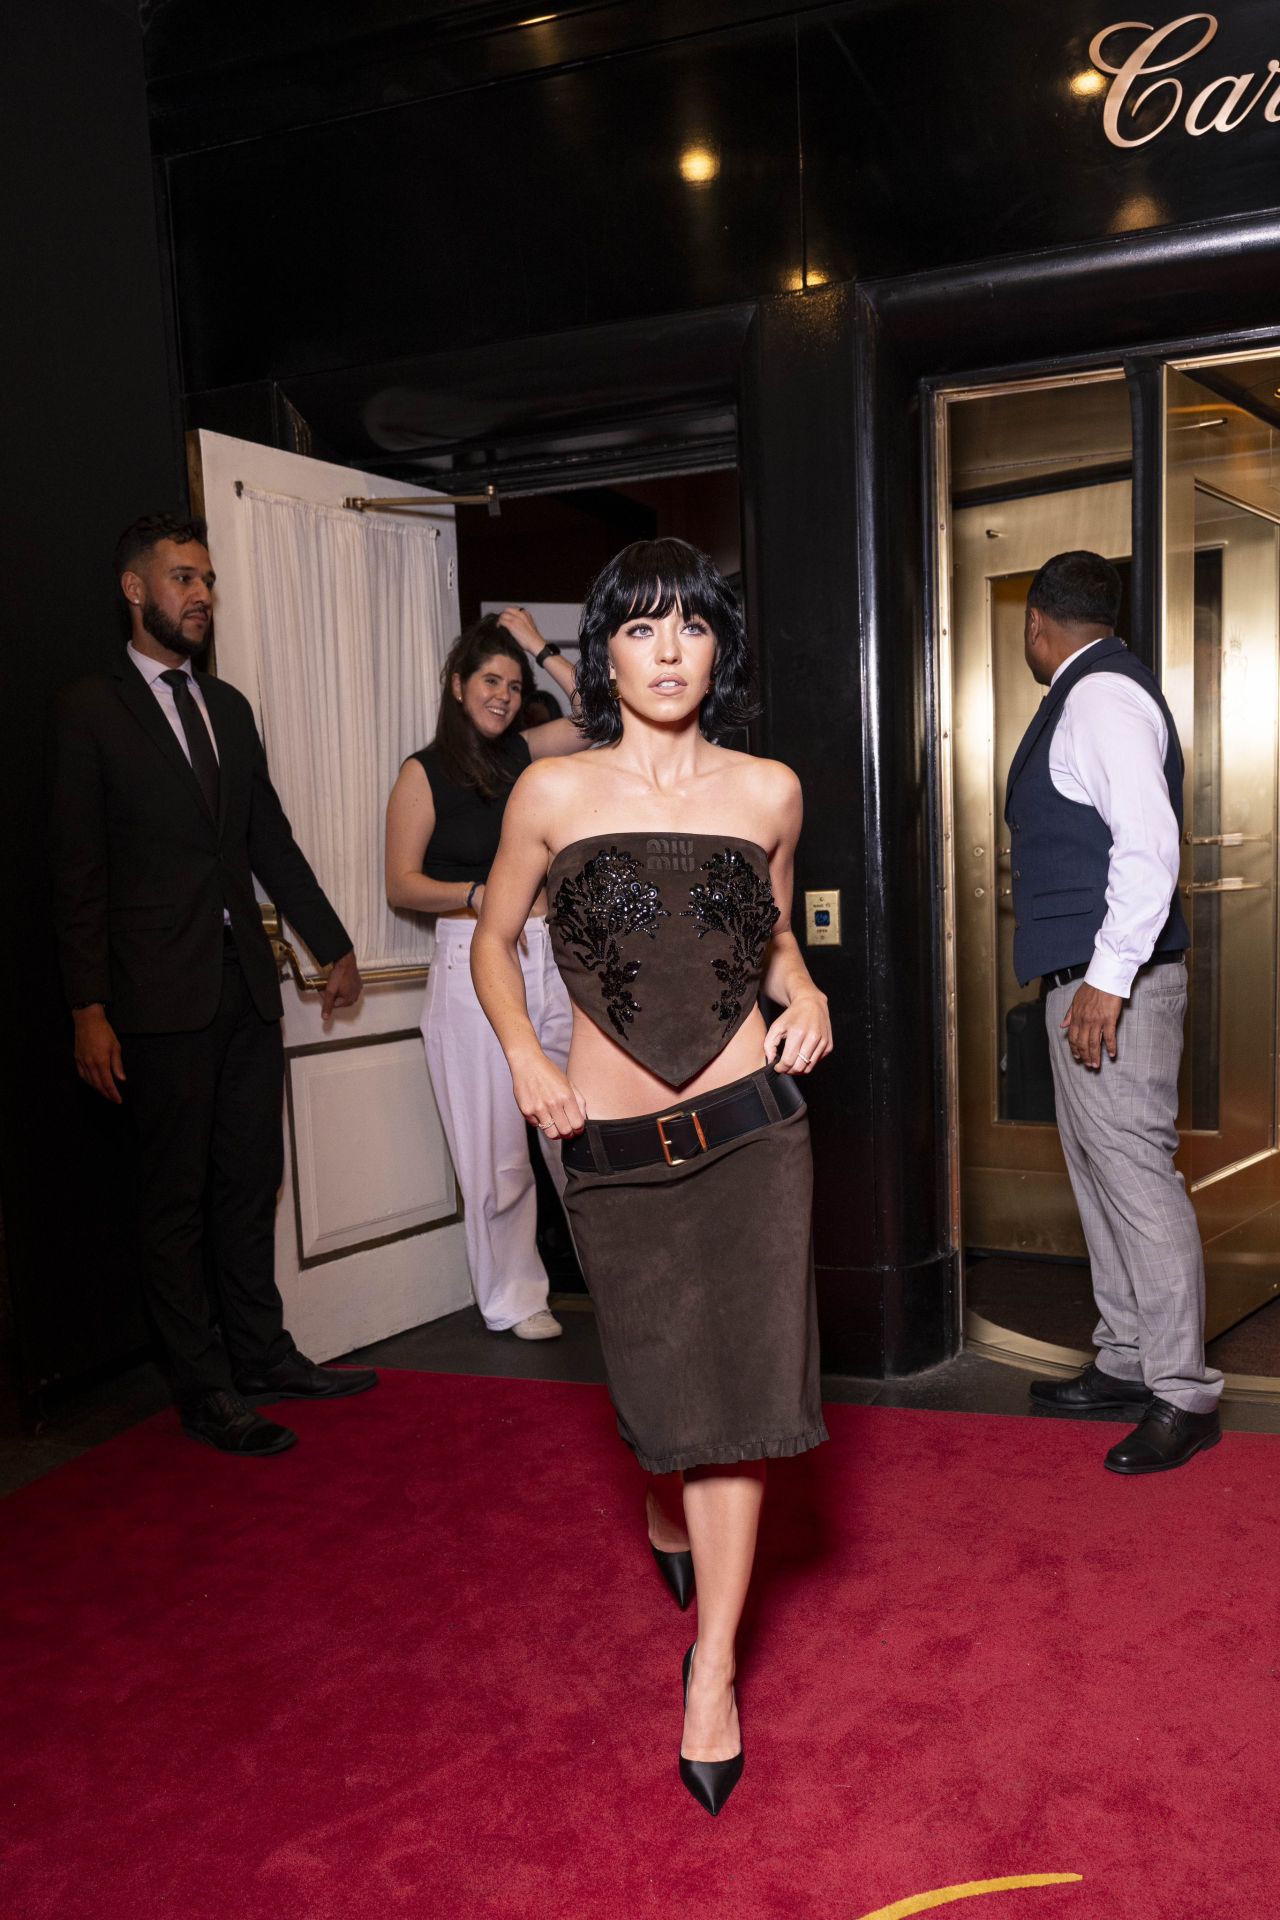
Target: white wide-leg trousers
column 482, row 1123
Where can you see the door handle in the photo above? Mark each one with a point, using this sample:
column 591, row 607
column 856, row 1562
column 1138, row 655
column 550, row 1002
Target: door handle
column 1234, row 884
column 285, row 955
column 1224, row 839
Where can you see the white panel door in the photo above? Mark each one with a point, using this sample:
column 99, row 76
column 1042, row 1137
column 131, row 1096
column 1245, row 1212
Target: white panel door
column 369, row 1238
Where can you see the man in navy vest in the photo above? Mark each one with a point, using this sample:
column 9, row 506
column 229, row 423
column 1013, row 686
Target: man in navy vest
column 1094, row 809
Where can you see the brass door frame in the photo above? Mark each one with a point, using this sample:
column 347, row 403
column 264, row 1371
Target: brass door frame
column 945, row 823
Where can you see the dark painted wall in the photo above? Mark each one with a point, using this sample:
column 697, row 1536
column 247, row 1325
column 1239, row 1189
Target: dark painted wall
column 348, row 194
column 91, row 440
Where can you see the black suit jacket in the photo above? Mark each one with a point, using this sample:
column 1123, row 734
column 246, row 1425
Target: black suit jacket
column 142, row 870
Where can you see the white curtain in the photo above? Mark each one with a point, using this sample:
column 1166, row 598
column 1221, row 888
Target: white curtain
column 353, row 628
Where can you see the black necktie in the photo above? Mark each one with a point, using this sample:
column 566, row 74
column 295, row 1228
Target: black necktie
column 204, row 761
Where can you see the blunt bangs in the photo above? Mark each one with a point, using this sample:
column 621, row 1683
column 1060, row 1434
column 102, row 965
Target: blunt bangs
column 649, row 580
column 652, row 578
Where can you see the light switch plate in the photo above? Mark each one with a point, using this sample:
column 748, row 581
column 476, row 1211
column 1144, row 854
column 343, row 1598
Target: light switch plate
column 822, row 919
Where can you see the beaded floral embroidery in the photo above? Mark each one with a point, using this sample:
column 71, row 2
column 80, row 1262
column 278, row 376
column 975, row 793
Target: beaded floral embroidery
column 598, row 907
column 737, row 902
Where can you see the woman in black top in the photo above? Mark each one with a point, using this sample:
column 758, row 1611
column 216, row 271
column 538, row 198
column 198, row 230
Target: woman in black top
column 444, row 821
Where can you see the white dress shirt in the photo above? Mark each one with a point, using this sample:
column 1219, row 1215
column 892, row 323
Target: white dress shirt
column 151, row 671
column 1108, row 753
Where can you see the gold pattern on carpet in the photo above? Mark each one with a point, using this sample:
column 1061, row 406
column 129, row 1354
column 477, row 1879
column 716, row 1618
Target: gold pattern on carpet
column 943, row 1896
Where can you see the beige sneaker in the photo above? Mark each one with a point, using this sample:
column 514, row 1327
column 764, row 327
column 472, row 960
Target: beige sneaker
column 541, row 1325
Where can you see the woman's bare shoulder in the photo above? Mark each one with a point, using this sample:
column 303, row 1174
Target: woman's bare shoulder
column 771, row 779
column 554, row 791
column 559, row 776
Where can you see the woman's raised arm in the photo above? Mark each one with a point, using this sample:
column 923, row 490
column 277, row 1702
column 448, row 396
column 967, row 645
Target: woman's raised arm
column 553, row 736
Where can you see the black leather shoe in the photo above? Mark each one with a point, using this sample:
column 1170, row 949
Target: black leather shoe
column 677, row 1570
column 709, row 1781
column 223, row 1420
column 1165, row 1437
column 1090, row 1392
column 297, row 1378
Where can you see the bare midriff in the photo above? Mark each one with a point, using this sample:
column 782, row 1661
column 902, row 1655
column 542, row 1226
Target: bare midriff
column 615, row 1087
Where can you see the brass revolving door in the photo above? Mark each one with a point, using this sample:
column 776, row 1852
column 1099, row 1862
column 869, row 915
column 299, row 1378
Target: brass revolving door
column 1035, row 469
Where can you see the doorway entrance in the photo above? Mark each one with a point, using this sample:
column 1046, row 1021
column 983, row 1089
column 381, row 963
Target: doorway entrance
column 1035, row 469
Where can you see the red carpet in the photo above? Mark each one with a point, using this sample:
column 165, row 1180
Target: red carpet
column 423, row 1666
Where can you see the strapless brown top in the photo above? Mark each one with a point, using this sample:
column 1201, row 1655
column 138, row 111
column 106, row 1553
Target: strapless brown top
column 660, row 940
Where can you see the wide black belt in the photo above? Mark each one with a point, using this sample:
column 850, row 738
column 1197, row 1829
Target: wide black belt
column 1065, row 975
column 684, row 1132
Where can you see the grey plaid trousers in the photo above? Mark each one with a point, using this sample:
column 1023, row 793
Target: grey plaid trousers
column 1119, row 1133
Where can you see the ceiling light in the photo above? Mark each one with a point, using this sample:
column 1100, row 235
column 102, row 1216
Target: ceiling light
column 698, row 165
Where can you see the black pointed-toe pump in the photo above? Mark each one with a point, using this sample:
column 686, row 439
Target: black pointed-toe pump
column 709, row 1781
column 677, row 1570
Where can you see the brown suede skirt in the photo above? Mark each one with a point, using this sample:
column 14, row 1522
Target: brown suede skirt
column 701, row 1276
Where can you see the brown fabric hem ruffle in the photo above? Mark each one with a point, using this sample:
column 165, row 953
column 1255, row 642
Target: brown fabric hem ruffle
column 729, row 1453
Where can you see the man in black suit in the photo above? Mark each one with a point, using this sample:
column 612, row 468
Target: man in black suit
column 163, row 812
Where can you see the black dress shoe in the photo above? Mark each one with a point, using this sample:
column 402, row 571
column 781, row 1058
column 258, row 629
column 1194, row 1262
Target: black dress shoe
column 1090, row 1392
column 222, row 1420
column 297, row 1378
column 709, row 1781
column 677, row 1570
column 1165, row 1437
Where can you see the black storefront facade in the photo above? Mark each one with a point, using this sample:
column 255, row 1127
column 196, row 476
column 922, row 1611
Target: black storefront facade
column 570, row 243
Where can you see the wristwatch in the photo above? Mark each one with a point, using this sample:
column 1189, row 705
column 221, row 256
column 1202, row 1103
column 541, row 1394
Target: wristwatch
column 550, row 647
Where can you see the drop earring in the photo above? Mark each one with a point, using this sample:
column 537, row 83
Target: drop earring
column 613, row 684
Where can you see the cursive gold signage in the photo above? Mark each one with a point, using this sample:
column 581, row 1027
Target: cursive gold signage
column 1151, row 72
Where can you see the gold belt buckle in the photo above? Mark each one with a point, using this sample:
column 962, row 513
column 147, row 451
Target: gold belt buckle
column 679, row 1114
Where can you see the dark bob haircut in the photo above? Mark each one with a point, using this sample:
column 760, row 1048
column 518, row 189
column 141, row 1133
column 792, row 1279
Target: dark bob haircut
column 648, row 580
column 1078, row 588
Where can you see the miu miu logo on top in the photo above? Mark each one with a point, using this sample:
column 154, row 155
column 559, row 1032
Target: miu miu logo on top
column 669, row 856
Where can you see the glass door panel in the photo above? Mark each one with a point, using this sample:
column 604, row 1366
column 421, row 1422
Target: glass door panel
column 1015, row 1194
column 1221, row 676
column 1230, row 834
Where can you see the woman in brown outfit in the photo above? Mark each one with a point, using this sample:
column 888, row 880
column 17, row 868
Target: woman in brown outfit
column 668, row 866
